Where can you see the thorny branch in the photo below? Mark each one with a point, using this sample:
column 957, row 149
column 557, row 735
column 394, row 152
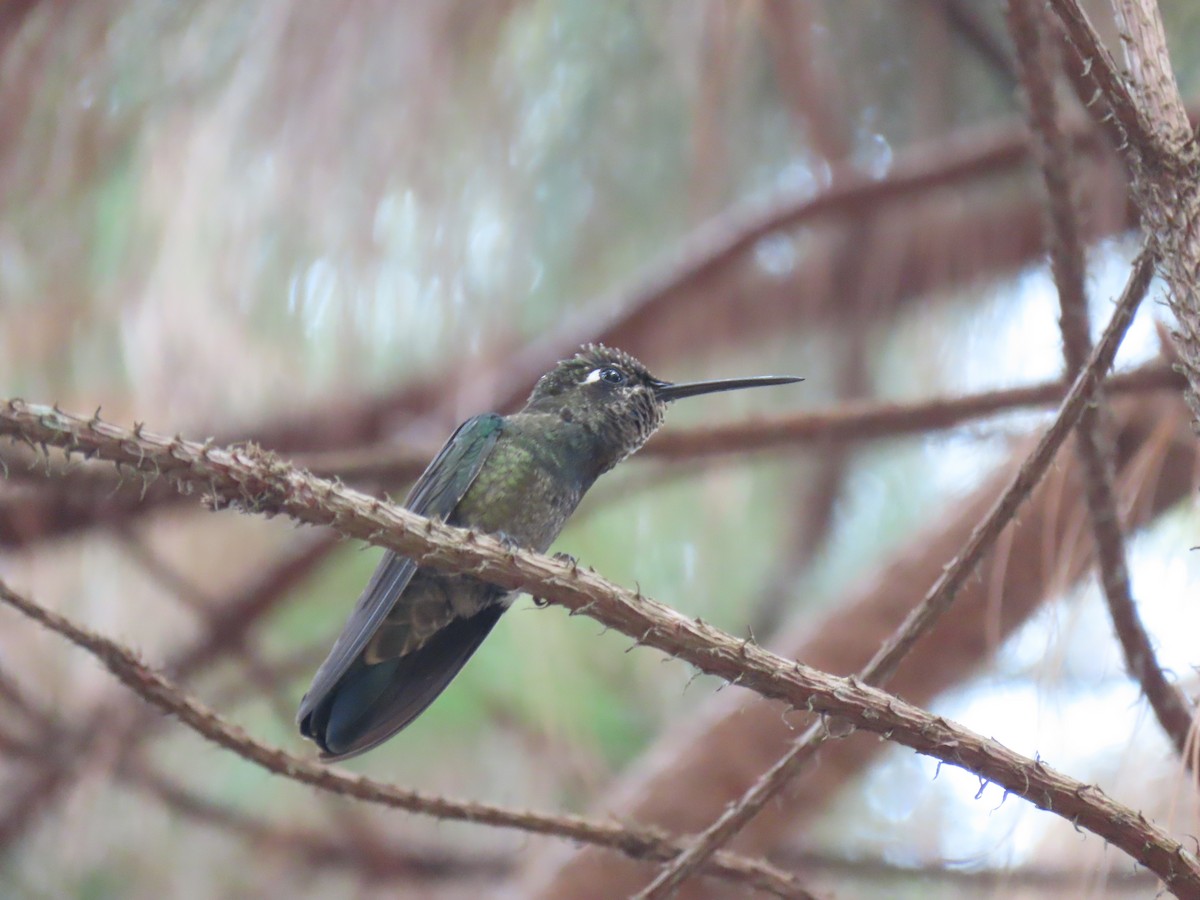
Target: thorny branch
column 957, row 162
column 939, row 598
column 1163, row 156
column 157, row 690
column 1038, row 64
column 1043, row 786
column 1128, row 115
column 307, row 847
column 1145, row 41
column 1139, row 11
column 255, row 481
column 846, row 423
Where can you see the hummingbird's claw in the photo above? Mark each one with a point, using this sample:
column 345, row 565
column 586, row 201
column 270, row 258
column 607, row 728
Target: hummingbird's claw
column 566, row 558
column 509, row 542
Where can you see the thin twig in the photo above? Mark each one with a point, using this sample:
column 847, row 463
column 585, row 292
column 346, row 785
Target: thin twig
column 936, row 601
column 227, row 629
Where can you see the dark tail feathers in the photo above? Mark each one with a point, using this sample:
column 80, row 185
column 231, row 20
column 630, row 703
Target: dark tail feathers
column 370, row 703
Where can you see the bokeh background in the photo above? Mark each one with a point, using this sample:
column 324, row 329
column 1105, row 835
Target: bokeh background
column 339, row 228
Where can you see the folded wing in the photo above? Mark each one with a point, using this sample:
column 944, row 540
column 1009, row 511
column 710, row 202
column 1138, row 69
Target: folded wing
column 354, row 704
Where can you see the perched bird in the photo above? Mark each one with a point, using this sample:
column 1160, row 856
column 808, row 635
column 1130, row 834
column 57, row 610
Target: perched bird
column 519, row 477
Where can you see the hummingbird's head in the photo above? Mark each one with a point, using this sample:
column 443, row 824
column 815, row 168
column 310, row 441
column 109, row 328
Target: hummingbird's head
column 613, row 397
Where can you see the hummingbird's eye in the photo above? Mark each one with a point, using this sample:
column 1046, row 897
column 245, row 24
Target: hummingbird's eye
column 607, row 374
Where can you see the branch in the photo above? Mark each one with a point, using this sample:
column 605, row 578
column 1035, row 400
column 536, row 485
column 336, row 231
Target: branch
column 258, row 481
column 939, row 598
column 1163, row 155
column 157, row 690
column 1035, row 53
column 708, row 759
column 305, row 846
column 947, row 245
column 866, row 421
column 78, row 496
column 1077, row 400
column 1145, row 41
column 846, row 423
column 1138, row 129
column 1044, row 787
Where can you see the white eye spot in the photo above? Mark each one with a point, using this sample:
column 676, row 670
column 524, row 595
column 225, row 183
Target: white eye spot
column 607, row 374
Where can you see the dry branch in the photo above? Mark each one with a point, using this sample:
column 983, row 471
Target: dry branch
column 935, row 248
column 260, row 482
column 157, row 690
column 1112, row 91
column 1039, row 65
column 1145, row 41
column 86, row 495
column 874, row 420
column 686, row 780
column 304, row 847
column 936, row 602
column 847, row 422
column 1160, row 147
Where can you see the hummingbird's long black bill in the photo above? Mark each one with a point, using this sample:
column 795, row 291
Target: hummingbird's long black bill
column 666, row 391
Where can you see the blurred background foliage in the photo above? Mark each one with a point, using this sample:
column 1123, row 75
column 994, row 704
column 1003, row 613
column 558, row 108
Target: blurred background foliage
column 242, row 220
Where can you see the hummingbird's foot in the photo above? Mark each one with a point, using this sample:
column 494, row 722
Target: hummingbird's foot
column 509, row 542
column 565, row 558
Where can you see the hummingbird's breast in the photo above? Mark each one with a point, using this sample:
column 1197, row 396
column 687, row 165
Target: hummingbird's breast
column 526, row 490
column 530, row 484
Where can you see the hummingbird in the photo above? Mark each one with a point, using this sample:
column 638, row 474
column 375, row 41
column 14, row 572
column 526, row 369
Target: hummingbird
column 518, row 477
